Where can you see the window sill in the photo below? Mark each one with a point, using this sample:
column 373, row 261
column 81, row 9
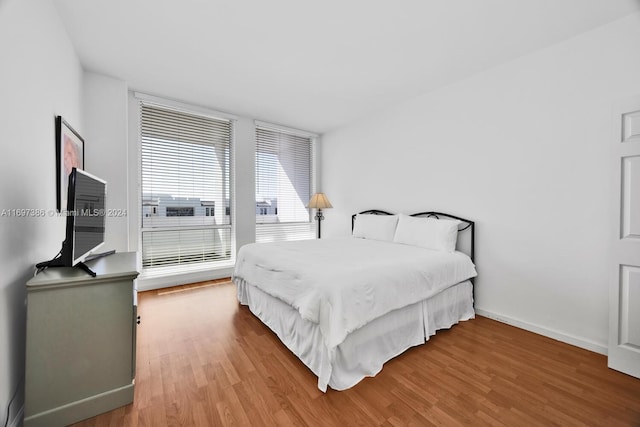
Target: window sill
column 164, row 277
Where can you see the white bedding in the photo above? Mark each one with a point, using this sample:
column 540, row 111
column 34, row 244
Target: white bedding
column 343, row 284
column 363, row 353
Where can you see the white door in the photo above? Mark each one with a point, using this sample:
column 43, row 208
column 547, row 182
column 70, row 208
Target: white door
column 624, row 295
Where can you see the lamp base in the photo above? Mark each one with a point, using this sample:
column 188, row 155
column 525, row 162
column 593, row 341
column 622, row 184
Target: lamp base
column 319, row 217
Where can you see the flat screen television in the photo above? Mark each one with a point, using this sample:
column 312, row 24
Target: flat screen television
column 85, row 226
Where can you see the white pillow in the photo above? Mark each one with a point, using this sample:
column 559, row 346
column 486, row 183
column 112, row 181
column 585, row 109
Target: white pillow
column 430, row 233
column 375, row 227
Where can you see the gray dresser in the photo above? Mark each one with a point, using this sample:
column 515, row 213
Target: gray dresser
column 81, row 340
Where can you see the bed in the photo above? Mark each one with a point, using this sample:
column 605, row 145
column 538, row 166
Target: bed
column 346, row 306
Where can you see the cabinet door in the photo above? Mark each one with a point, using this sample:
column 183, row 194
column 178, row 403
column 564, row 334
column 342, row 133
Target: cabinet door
column 79, row 343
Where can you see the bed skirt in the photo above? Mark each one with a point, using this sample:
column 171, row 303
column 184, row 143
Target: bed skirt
column 365, row 350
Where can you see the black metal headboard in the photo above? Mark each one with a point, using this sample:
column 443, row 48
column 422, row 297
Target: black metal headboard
column 370, row 211
column 465, row 224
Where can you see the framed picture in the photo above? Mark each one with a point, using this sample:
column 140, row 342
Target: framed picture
column 69, row 154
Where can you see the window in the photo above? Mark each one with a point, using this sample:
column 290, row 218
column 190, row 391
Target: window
column 186, row 219
column 284, row 184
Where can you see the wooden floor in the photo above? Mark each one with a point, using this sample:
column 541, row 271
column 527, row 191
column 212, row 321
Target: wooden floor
column 203, row 360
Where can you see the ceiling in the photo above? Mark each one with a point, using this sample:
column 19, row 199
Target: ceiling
column 315, row 65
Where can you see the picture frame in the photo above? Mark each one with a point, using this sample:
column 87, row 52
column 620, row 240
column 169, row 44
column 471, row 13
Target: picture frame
column 69, row 154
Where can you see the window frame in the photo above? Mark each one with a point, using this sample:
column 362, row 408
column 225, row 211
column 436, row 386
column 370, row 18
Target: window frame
column 187, row 270
column 296, row 230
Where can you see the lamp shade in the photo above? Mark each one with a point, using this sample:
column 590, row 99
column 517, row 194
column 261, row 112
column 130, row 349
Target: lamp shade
column 319, row 201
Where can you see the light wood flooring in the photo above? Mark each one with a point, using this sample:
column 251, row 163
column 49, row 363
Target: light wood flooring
column 204, row 360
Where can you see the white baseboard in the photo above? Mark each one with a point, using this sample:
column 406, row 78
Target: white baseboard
column 550, row 333
column 17, row 420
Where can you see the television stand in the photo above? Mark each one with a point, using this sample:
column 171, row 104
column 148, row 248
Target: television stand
column 57, row 262
column 80, row 341
column 85, row 267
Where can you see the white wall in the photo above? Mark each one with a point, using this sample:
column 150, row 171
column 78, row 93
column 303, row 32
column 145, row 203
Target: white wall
column 523, row 149
column 106, row 151
column 40, row 78
column 245, row 181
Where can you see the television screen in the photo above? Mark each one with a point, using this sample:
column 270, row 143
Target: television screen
column 86, row 214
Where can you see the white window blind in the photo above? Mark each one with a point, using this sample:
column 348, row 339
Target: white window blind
column 186, row 198
column 284, row 185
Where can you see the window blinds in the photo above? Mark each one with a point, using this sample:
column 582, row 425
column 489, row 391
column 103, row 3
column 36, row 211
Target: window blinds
column 186, row 199
column 284, row 185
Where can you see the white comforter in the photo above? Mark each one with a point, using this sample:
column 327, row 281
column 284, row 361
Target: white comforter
column 342, row 284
